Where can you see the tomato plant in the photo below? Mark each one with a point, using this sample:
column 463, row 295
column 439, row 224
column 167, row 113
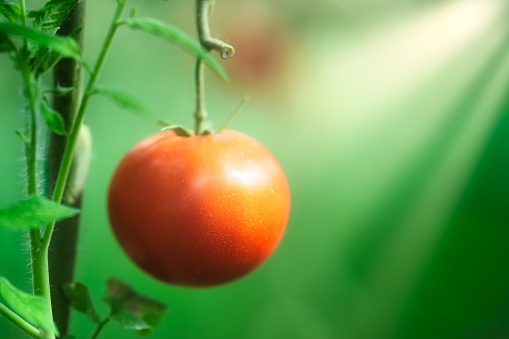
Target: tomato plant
column 200, row 210
column 49, row 39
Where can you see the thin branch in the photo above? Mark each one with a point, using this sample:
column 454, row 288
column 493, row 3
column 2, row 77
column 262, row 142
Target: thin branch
column 99, row 328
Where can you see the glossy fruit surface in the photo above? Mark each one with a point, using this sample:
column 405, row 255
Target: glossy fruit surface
column 199, row 211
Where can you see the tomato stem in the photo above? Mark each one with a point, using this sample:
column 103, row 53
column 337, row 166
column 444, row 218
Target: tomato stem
column 200, row 114
column 203, row 30
column 209, row 43
column 38, row 254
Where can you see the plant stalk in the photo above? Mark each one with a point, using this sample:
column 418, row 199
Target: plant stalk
column 200, row 114
column 39, row 254
column 64, row 240
column 99, row 328
column 76, row 126
column 209, row 43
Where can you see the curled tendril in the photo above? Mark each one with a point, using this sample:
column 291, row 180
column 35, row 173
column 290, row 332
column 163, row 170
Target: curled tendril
column 206, row 40
column 227, row 51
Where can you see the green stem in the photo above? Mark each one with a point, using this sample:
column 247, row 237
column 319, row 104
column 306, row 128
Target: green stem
column 31, row 96
column 76, row 126
column 31, row 147
column 209, row 43
column 20, row 322
column 99, row 328
column 200, row 114
column 64, row 240
column 203, row 30
column 23, row 10
column 39, row 254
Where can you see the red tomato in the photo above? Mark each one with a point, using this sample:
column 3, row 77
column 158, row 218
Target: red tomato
column 199, row 211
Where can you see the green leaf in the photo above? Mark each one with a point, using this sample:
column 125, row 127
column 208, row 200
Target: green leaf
column 50, row 16
column 11, row 11
column 22, row 136
column 80, row 299
column 129, row 321
column 31, row 308
column 179, row 130
column 132, row 310
column 33, row 213
column 44, row 59
column 177, row 36
column 53, row 119
column 126, row 101
column 63, row 45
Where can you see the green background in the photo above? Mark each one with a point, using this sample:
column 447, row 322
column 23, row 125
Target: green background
column 391, row 120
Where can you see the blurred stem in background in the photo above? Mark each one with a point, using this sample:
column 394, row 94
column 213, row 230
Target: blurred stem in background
column 62, row 253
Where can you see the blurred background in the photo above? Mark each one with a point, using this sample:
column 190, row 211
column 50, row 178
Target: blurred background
column 391, row 120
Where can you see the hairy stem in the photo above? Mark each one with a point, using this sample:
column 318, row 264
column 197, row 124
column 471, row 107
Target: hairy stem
column 62, row 250
column 38, row 255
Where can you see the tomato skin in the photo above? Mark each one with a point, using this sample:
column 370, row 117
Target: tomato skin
column 199, row 211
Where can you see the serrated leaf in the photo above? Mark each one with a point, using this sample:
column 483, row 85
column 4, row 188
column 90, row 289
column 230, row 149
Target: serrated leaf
column 33, row 213
column 11, row 11
column 177, row 36
column 53, row 119
column 63, row 45
column 132, row 310
column 126, row 101
column 80, row 299
column 31, row 308
column 44, row 59
column 50, row 16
